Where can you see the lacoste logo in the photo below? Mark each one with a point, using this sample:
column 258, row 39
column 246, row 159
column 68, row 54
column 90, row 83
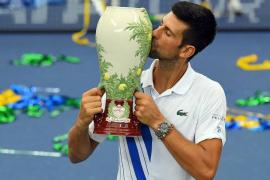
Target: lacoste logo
column 181, row 113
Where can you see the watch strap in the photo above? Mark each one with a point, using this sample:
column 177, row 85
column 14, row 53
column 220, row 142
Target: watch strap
column 163, row 129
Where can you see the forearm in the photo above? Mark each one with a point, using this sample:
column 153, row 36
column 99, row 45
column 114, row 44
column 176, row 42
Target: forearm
column 79, row 143
column 199, row 160
column 192, row 157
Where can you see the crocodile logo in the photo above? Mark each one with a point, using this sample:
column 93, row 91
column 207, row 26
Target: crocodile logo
column 181, row 113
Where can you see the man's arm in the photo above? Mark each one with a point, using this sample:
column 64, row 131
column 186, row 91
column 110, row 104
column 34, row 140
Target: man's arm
column 199, row 160
column 80, row 144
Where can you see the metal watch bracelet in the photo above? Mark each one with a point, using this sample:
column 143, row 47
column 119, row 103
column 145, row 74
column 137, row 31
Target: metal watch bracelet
column 163, row 129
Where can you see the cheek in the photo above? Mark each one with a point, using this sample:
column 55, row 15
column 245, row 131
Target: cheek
column 169, row 47
column 169, row 43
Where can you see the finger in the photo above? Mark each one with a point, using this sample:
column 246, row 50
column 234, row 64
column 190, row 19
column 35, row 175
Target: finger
column 140, row 108
column 94, row 110
column 138, row 115
column 93, row 92
column 89, row 113
column 93, row 99
column 92, row 105
column 136, row 108
column 89, row 99
column 139, row 94
column 140, row 102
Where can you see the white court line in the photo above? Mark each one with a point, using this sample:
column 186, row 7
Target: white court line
column 30, row 153
column 248, row 113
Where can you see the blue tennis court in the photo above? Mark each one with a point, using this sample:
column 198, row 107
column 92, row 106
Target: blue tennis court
column 46, row 26
column 245, row 155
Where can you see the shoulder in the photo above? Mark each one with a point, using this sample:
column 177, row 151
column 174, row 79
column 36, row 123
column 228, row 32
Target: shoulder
column 208, row 86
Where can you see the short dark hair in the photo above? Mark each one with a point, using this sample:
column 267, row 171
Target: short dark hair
column 201, row 22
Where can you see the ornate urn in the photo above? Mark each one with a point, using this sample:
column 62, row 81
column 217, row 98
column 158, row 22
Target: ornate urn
column 123, row 38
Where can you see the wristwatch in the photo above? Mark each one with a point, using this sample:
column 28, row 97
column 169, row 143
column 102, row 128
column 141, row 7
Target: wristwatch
column 163, row 129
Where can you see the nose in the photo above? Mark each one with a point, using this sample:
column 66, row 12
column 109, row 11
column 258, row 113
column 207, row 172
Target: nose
column 157, row 32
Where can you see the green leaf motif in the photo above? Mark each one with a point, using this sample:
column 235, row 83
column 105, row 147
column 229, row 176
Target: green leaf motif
column 104, row 65
column 141, row 32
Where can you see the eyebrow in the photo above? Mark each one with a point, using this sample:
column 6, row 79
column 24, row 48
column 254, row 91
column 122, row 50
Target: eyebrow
column 167, row 28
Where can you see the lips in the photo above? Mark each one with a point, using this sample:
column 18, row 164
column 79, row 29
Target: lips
column 153, row 44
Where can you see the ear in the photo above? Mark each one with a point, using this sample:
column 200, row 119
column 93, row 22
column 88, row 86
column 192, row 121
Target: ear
column 187, row 51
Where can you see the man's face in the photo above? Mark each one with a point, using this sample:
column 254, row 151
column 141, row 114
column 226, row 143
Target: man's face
column 167, row 38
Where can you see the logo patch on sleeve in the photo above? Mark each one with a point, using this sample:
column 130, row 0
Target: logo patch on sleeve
column 218, row 117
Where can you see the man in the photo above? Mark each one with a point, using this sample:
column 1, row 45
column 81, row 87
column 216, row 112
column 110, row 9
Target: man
column 181, row 110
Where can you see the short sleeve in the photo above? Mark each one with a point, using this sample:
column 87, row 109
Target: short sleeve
column 212, row 113
column 97, row 137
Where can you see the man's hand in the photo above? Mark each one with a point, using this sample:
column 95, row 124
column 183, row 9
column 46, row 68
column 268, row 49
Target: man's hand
column 79, row 144
column 90, row 105
column 147, row 111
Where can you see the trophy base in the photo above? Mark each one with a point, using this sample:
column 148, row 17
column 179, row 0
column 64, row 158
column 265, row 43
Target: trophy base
column 121, row 126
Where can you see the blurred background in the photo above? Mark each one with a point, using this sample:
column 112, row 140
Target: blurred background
column 48, row 59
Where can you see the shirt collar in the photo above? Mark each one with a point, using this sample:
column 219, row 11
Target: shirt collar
column 147, row 76
column 181, row 87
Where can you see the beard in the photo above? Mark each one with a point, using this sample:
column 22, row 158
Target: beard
column 154, row 54
column 157, row 53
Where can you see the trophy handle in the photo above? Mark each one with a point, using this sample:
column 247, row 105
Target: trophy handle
column 98, row 117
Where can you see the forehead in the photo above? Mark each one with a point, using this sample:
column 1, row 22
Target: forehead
column 176, row 25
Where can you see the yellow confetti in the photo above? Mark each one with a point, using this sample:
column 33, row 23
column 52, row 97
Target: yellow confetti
column 247, row 63
column 250, row 124
column 13, row 99
column 79, row 37
column 229, row 118
column 8, row 97
column 240, row 118
column 8, row 93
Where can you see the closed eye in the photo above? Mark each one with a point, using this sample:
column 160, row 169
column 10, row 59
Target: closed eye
column 168, row 32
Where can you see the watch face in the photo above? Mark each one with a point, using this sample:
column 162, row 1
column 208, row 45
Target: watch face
column 163, row 130
column 164, row 127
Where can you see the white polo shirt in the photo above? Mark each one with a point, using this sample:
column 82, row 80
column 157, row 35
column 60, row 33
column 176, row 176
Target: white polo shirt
column 195, row 105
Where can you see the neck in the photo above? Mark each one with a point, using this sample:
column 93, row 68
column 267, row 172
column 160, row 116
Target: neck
column 167, row 73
